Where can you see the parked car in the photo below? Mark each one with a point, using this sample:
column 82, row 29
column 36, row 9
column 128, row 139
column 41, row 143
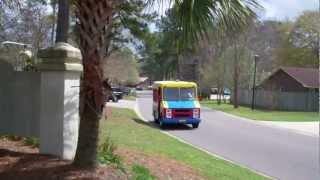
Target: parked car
column 116, row 94
column 139, row 88
column 125, row 90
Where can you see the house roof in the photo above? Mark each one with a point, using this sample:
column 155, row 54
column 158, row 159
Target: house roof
column 307, row 77
column 143, row 79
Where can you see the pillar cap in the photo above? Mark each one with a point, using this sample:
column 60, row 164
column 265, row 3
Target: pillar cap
column 61, row 57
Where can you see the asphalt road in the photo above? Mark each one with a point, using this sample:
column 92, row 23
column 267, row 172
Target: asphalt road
column 278, row 153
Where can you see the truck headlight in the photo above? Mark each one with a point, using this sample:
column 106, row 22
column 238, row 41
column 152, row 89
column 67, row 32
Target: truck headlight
column 196, row 113
column 168, row 113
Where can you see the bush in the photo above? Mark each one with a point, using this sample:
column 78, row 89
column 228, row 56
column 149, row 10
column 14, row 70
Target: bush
column 106, row 154
column 141, row 173
column 31, row 141
column 13, row 137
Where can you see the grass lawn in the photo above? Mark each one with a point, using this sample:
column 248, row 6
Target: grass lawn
column 127, row 131
column 131, row 98
column 264, row 115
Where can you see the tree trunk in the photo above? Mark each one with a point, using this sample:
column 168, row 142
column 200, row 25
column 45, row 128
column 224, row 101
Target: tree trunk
column 235, row 76
column 94, row 18
column 223, row 81
column 63, row 21
column 178, row 76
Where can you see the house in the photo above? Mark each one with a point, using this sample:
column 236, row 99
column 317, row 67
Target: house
column 288, row 88
column 144, row 83
column 292, row 79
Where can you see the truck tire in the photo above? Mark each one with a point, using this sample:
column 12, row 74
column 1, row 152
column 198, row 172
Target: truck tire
column 161, row 124
column 155, row 118
column 195, row 126
column 114, row 99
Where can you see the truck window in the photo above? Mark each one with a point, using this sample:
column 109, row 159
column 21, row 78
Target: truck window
column 179, row 94
column 171, row 94
column 187, row 94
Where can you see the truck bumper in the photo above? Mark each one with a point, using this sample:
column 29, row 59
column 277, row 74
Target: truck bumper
column 181, row 120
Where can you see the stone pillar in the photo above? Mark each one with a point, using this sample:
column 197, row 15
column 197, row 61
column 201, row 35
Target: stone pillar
column 60, row 69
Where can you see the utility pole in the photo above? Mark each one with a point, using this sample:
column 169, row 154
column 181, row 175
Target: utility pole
column 256, row 57
column 63, row 21
column 319, row 68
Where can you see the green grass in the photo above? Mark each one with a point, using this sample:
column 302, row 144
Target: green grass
column 131, row 98
column 127, row 131
column 263, row 115
column 141, row 173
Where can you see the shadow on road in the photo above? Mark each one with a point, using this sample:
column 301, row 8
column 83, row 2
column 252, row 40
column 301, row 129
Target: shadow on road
column 152, row 124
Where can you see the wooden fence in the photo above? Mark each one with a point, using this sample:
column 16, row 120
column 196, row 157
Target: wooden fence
column 289, row 101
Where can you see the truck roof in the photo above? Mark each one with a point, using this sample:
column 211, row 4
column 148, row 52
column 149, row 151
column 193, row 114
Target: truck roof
column 177, row 84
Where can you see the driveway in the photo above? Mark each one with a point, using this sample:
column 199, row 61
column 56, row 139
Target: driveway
column 276, row 152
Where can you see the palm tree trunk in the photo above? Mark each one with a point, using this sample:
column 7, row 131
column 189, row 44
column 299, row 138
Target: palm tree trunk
column 94, row 18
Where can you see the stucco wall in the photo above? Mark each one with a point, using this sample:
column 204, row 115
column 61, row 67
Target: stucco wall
column 19, row 101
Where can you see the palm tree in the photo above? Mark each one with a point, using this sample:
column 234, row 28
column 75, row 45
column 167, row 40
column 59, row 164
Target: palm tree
column 195, row 17
column 94, row 20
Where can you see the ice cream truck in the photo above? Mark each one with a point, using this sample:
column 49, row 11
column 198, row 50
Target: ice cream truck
column 176, row 102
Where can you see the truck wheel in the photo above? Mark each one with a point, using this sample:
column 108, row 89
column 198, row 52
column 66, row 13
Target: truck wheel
column 155, row 118
column 114, row 99
column 162, row 125
column 195, row 125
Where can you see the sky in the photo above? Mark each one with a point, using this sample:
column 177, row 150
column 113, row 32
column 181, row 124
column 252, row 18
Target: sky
column 274, row 9
column 286, row 9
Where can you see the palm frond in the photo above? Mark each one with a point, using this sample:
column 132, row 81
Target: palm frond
column 197, row 17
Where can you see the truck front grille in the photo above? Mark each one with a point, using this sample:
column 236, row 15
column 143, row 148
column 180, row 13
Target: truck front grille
column 182, row 113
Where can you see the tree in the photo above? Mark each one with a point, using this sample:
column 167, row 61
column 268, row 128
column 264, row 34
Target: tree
column 161, row 49
column 116, row 63
column 30, row 24
column 299, row 45
column 10, row 3
column 94, row 20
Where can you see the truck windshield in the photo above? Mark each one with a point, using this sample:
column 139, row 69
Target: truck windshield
column 179, row 94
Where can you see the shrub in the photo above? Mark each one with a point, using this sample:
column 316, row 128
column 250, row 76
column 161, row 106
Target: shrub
column 106, row 154
column 31, row 141
column 141, row 173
